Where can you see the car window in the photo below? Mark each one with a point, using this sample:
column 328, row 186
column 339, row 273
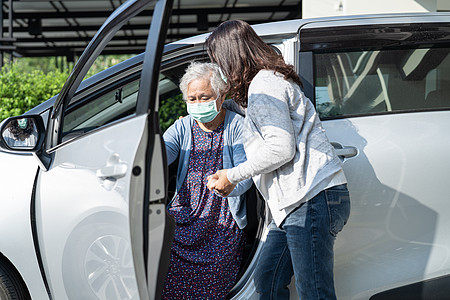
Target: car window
column 100, row 109
column 381, row 80
column 110, row 104
column 172, row 105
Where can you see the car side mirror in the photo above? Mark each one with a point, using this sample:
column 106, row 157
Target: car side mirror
column 20, row 134
column 25, row 134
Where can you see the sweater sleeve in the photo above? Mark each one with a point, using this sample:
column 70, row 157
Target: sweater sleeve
column 269, row 117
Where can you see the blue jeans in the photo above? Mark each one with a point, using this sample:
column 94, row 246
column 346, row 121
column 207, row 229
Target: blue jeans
column 303, row 246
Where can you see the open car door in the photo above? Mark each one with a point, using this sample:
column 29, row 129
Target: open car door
column 100, row 221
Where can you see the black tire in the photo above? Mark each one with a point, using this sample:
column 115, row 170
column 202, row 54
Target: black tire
column 12, row 286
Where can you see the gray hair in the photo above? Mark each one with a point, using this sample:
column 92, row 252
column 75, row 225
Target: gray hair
column 201, row 70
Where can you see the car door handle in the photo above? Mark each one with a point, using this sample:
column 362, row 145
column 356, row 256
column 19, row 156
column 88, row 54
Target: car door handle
column 347, row 152
column 344, row 151
column 114, row 168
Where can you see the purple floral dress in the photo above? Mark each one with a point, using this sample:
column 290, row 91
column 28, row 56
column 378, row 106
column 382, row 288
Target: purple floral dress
column 207, row 248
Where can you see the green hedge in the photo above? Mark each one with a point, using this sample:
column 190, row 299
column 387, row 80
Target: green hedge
column 20, row 90
column 27, row 83
column 170, row 110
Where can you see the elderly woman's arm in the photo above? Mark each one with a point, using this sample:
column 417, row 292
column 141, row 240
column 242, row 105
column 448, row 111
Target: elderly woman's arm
column 238, row 158
column 173, row 140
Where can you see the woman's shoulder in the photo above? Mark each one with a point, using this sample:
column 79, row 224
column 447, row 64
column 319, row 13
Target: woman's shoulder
column 231, row 105
column 268, row 78
column 180, row 125
column 264, row 74
column 185, row 121
column 269, row 82
column 232, row 117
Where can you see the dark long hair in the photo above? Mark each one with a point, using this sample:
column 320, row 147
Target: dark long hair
column 241, row 54
column 19, row 133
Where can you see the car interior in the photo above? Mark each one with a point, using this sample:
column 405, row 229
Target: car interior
column 378, row 81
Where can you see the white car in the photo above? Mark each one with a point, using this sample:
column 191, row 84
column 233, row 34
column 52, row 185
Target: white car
column 82, row 212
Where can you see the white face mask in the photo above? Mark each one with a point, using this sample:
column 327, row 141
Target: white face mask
column 203, row 112
column 22, row 123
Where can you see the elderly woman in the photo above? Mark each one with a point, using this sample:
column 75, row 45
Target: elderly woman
column 207, row 248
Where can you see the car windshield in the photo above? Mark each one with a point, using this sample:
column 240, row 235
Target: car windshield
column 377, row 81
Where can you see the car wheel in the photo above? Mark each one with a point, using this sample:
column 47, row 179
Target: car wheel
column 11, row 284
column 98, row 263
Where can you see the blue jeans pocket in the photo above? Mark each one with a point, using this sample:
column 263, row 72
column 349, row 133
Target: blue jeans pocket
column 338, row 202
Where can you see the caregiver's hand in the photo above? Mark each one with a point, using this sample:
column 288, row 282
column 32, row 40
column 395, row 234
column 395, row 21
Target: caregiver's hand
column 219, row 182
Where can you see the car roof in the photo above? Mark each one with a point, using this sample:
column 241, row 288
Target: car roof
column 292, row 26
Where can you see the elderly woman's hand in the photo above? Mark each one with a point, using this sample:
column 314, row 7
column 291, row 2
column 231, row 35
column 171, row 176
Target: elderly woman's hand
column 219, row 182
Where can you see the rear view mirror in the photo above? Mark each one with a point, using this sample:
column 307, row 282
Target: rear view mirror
column 20, row 133
column 25, row 134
